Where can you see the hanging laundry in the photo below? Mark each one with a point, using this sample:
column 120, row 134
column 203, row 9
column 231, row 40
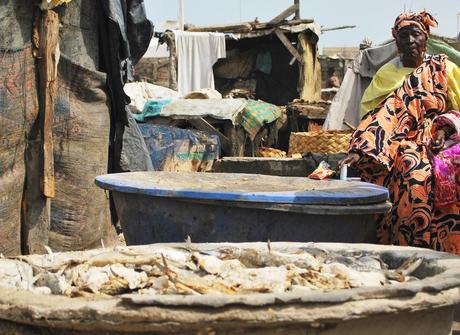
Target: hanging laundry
column 196, row 54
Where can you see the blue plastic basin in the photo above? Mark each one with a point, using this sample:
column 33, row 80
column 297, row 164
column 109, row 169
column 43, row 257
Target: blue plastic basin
column 218, row 207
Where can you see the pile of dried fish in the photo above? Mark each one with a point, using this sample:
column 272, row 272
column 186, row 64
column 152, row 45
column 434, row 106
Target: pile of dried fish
column 186, row 271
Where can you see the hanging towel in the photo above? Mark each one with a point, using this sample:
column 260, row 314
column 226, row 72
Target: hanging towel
column 196, row 54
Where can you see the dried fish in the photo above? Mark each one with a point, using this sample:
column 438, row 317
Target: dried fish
column 56, row 283
column 134, row 278
column 355, row 277
column 114, row 286
column 16, row 274
column 94, row 278
column 188, row 271
column 261, row 280
column 258, row 259
column 410, row 265
column 214, row 265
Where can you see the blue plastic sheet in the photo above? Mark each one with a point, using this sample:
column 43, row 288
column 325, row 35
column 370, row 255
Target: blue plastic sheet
column 175, row 149
column 152, row 108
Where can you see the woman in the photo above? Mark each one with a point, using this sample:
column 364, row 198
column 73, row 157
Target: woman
column 402, row 141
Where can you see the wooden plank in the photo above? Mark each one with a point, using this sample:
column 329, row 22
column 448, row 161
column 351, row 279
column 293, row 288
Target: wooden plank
column 337, row 28
column 48, row 54
column 171, row 43
column 284, row 14
column 298, row 22
column 231, row 28
column 202, row 124
column 297, row 12
column 259, row 25
column 349, row 125
column 287, row 43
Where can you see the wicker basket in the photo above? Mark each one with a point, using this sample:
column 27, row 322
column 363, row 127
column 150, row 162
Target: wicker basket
column 322, row 142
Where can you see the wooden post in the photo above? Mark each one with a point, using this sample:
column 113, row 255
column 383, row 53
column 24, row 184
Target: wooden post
column 287, row 43
column 48, row 54
column 181, row 14
column 297, row 12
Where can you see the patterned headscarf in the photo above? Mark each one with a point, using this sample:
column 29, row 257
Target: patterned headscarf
column 422, row 20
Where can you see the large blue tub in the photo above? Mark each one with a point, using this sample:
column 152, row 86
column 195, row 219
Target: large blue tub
column 218, row 207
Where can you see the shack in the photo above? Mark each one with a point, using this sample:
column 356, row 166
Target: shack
column 276, row 61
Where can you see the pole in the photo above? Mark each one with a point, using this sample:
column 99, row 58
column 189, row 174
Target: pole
column 297, row 12
column 241, row 11
column 48, row 61
column 181, row 14
column 458, row 26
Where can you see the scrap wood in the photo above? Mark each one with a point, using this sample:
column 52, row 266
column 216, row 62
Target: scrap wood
column 349, row 125
column 297, row 12
column 337, row 28
column 285, row 14
column 250, row 27
column 202, row 124
column 296, row 22
column 312, row 111
column 48, row 54
column 234, row 28
column 287, row 43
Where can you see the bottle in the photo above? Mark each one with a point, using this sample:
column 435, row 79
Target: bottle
column 343, row 172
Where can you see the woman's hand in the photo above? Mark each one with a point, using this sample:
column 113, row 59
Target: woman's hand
column 439, row 140
column 351, row 159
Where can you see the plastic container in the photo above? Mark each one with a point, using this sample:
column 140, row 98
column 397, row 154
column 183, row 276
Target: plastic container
column 218, row 207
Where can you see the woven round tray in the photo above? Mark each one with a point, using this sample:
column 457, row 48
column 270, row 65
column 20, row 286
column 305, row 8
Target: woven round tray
column 323, row 142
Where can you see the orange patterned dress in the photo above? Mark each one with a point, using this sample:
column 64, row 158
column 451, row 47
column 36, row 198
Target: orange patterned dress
column 393, row 144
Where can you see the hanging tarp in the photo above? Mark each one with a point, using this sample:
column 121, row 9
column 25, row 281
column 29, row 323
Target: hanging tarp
column 174, row 149
column 310, row 89
column 16, row 23
column 79, row 216
column 135, row 155
column 437, row 46
column 79, row 32
column 18, row 112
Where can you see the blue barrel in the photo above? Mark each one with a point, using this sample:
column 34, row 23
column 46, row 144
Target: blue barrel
column 226, row 207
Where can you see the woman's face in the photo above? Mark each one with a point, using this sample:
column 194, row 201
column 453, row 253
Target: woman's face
column 411, row 42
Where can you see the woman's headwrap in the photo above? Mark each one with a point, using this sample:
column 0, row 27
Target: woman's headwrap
column 422, row 20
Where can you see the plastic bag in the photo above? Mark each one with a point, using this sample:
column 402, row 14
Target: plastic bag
column 323, row 171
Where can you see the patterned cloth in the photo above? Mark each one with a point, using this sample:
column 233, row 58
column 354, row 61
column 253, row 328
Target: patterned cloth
column 257, row 114
column 446, row 172
column 446, row 165
column 393, row 142
column 422, row 20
